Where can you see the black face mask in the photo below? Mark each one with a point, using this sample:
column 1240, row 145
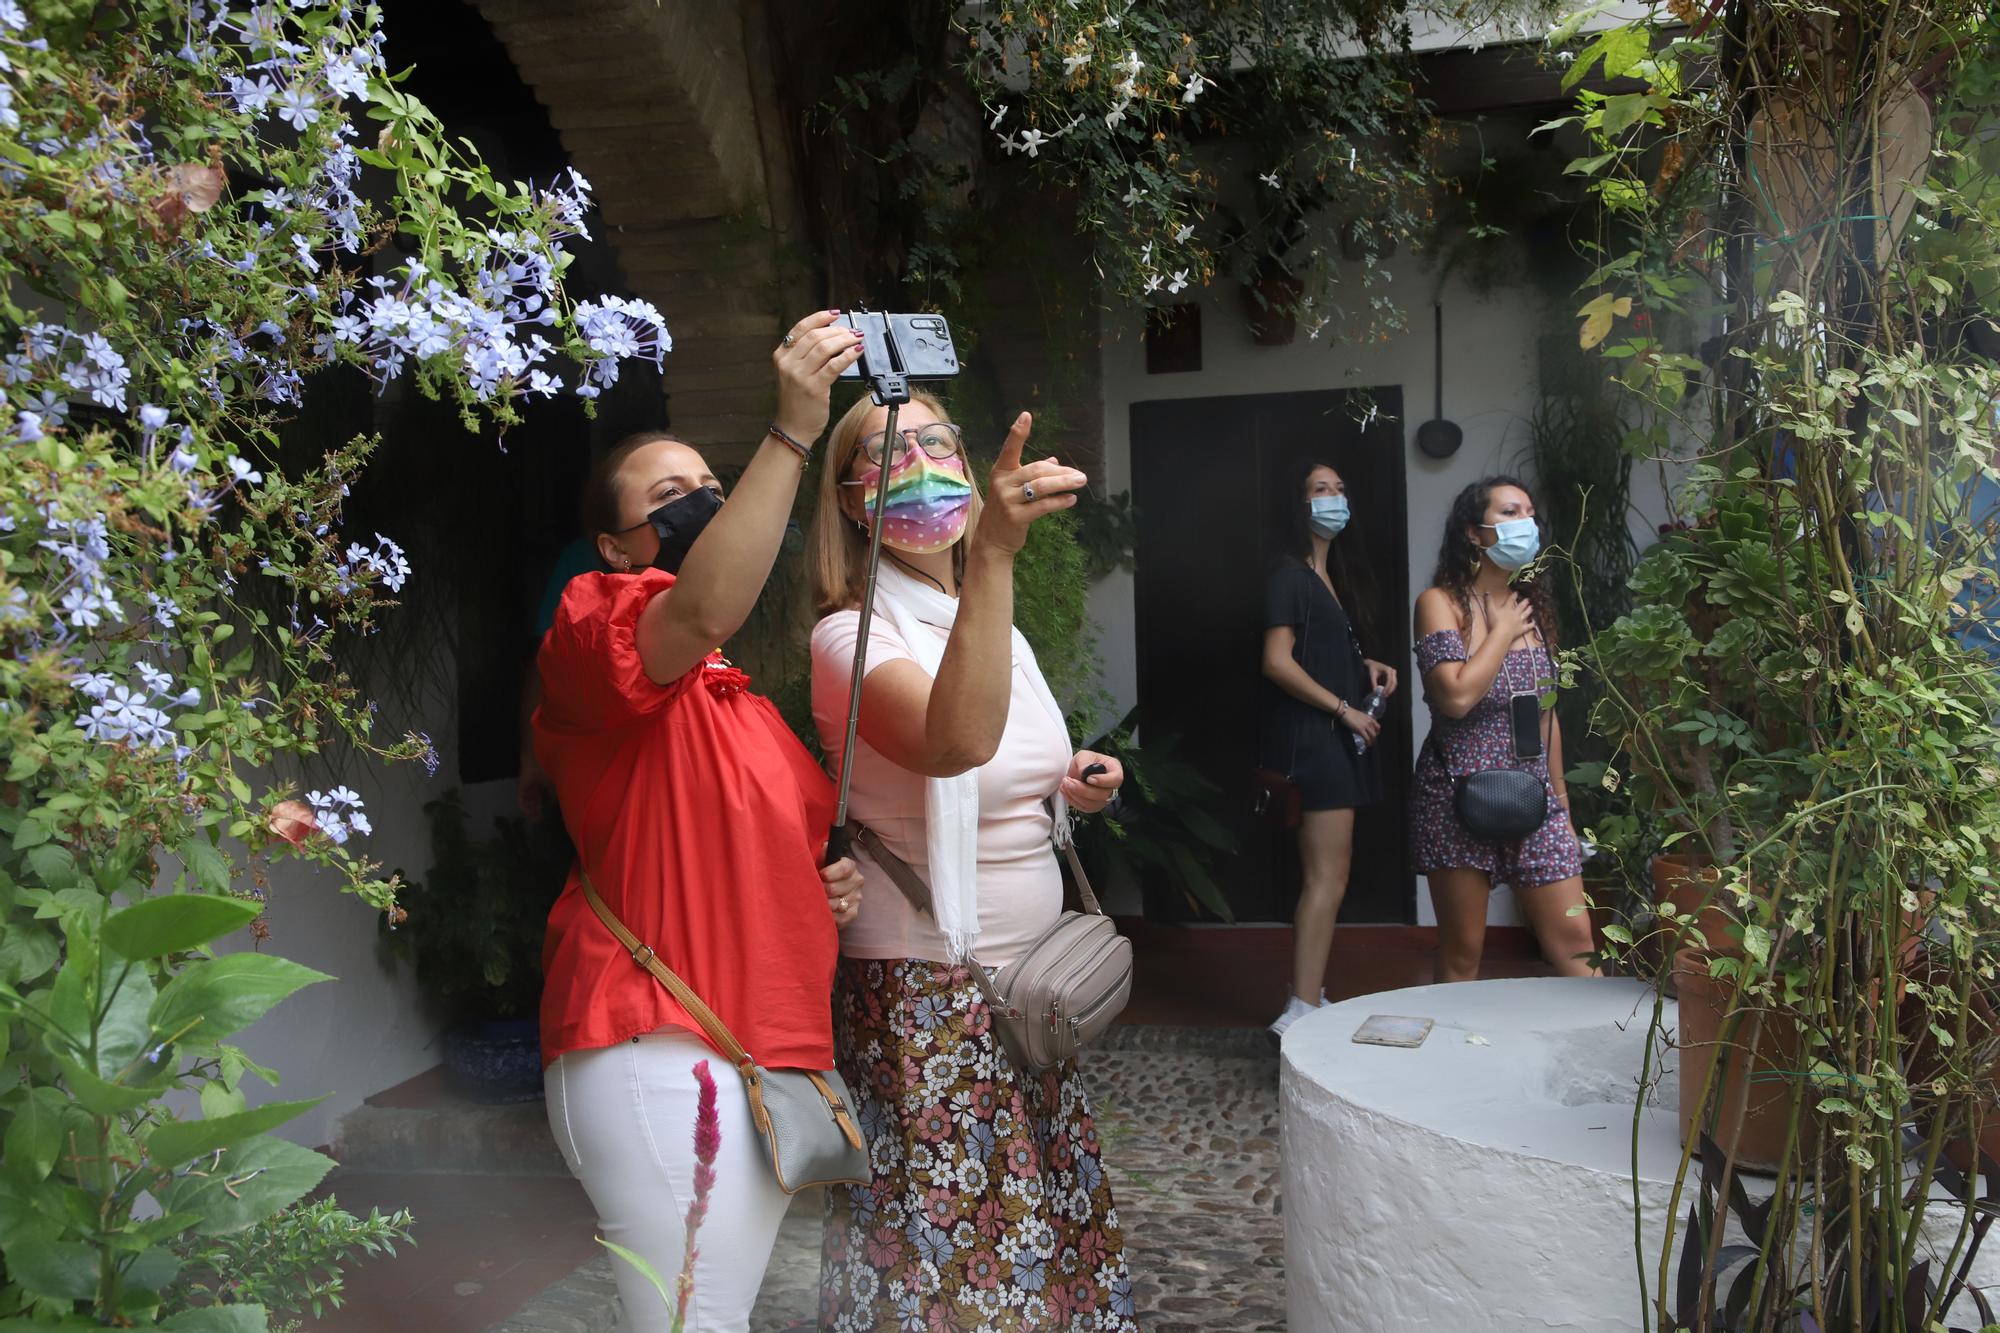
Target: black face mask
column 679, row 522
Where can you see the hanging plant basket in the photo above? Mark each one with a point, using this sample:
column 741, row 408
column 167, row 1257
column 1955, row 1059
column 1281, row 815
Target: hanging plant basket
column 1801, row 178
column 1270, row 306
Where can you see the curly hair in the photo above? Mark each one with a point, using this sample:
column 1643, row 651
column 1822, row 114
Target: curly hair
column 1459, row 558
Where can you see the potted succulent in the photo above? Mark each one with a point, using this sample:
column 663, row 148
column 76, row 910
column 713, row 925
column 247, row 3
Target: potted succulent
column 474, row 935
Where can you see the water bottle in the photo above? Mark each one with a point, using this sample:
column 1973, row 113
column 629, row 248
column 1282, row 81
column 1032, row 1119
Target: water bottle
column 1373, row 706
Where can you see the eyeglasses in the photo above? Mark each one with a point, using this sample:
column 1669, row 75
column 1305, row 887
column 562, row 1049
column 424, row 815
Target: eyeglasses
column 939, row 440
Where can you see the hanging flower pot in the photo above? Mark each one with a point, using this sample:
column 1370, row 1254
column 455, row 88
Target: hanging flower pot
column 1806, row 185
column 1270, row 306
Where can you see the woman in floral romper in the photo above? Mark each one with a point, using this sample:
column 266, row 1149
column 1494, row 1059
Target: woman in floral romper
column 989, row 1208
column 1482, row 638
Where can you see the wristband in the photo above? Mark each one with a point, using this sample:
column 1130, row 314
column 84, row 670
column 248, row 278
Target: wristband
column 804, row 451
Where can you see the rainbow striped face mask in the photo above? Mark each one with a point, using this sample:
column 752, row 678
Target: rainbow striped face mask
column 929, row 501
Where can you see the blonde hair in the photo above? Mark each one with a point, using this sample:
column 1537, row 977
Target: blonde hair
column 837, row 549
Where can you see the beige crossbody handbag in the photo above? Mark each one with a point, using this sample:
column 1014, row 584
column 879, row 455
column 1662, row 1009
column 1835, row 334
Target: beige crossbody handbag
column 804, row 1117
column 1063, row 991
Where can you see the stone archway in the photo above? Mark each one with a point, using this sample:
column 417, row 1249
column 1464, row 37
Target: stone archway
column 658, row 105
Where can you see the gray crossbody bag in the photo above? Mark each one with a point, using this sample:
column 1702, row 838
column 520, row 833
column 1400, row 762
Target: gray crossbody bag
column 804, row 1117
column 1065, row 988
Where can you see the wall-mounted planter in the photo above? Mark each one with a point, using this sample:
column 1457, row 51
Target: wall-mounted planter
column 1270, row 307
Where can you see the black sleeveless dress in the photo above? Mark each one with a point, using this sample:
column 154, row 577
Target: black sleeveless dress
column 1300, row 741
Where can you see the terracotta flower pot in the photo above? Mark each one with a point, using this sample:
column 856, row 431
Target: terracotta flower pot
column 1755, row 1106
column 1924, row 1061
column 1692, row 884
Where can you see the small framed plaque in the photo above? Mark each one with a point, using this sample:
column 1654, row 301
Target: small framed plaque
column 1391, row 1030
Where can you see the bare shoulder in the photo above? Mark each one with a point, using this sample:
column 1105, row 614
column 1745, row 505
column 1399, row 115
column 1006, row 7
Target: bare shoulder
column 1437, row 611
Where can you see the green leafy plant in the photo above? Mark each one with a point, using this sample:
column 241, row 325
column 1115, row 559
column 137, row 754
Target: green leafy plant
column 1798, row 687
column 473, row 926
column 1160, row 832
column 290, row 1263
column 191, row 225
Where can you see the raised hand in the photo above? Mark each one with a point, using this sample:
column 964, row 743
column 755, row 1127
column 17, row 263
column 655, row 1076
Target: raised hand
column 1017, row 495
column 808, row 361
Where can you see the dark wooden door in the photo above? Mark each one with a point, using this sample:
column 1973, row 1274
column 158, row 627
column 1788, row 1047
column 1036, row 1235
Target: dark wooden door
column 1210, row 479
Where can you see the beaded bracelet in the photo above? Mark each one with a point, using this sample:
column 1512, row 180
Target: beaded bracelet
column 804, row 451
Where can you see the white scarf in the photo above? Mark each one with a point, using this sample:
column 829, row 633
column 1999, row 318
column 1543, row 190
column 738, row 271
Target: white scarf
column 951, row 805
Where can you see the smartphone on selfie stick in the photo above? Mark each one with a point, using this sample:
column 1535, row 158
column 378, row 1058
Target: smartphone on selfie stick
column 895, row 349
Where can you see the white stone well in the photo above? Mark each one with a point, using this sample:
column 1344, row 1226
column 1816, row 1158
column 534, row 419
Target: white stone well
column 1485, row 1180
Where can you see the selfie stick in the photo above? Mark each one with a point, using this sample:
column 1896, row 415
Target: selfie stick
column 890, row 388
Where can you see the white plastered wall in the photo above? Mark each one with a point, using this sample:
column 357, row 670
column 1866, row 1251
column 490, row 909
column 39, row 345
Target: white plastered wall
column 1490, row 390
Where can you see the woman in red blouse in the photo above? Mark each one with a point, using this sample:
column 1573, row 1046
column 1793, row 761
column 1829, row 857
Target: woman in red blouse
column 701, row 820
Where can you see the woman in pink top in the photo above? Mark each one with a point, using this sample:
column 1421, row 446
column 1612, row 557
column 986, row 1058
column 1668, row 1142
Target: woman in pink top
column 989, row 1204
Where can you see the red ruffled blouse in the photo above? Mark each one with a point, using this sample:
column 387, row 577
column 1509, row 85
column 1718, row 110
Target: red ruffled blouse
column 700, row 817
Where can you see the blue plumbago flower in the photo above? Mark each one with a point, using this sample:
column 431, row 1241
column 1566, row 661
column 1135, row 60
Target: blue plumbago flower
column 16, row 368
column 241, row 472
column 125, row 718
column 570, row 203
column 93, row 684
column 297, row 107
column 387, row 561
column 347, row 76
column 339, row 813
column 253, row 96
column 165, row 611
column 86, row 606
column 9, row 117
column 46, row 339
column 158, row 681
column 11, row 16
column 184, row 459
column 152, row 418
column 28, row 427
column 14, row 606
column 429, row 756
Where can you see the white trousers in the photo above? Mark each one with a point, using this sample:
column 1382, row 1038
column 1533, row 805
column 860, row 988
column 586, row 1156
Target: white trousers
column 624, row 1119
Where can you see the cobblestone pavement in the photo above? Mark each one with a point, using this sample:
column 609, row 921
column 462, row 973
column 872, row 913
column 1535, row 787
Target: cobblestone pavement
column 1190, row 1124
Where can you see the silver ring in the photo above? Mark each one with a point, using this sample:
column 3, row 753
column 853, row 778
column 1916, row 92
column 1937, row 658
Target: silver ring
column 1027, row 490
column 789, row 339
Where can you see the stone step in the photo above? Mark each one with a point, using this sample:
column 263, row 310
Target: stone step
column 451, row 1136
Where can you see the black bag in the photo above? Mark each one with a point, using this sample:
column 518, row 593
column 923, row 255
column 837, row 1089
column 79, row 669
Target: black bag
column 1499, row 804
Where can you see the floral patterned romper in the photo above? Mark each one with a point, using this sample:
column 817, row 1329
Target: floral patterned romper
column 1484, row 739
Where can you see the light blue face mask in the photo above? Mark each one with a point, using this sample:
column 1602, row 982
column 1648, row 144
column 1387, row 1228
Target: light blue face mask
column 1329, row 515
column 1516, row 542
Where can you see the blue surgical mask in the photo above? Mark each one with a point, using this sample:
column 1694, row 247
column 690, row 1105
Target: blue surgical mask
column 1516, row 542
column 1329, row 515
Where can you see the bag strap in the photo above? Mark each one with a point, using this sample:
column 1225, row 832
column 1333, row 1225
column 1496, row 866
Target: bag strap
column 1507, row 676
column 643, row 955
column 919, row 893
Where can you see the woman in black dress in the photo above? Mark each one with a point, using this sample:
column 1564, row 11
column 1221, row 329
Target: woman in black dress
column 1319, row 682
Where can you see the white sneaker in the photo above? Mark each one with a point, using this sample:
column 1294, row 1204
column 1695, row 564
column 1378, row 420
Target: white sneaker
column 1295, row 1009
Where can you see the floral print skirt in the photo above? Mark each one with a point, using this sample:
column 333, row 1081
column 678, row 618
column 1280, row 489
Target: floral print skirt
column 989, row 1209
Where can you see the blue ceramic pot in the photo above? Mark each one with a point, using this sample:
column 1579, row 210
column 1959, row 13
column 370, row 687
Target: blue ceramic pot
column 495, row 1060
